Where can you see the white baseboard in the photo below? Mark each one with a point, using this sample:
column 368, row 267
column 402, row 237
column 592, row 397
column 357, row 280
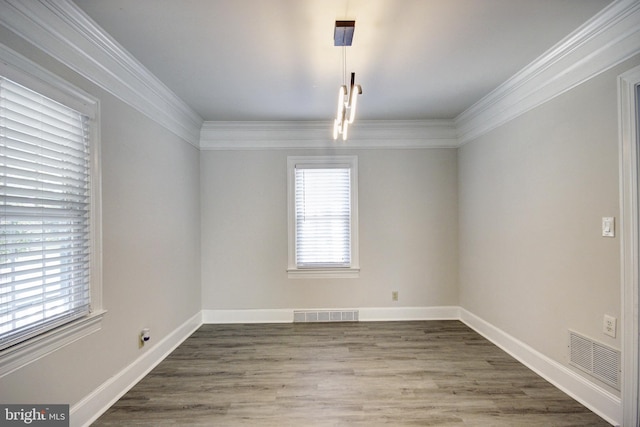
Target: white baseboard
column 381, row 314
column 248, row 316
column 597, row 399
column 366, row 314
column 95, row 404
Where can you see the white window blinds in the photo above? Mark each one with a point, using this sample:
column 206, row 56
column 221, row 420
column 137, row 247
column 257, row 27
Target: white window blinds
column 44, row 214
column 323, row 216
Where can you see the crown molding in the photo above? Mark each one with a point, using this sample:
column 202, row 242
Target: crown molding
column 610, row 37
column 65, row 32
column 364, row 134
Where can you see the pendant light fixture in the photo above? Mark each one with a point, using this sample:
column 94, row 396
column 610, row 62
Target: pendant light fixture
column 347, row 95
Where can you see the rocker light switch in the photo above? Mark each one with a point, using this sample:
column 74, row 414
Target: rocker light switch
column 608, row 226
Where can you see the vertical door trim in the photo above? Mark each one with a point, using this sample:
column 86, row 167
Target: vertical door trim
column 629, row 222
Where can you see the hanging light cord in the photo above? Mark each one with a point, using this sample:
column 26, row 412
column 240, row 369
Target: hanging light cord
column 344, row 65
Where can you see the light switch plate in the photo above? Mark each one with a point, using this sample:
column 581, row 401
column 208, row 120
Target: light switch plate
column 608, row 226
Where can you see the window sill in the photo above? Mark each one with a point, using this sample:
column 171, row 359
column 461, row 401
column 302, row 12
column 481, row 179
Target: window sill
column 323, row 273
column 14, row 358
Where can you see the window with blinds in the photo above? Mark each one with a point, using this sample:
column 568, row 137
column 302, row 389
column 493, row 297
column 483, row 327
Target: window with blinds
column 323, row 227
column 44, row 214
column 323, row 217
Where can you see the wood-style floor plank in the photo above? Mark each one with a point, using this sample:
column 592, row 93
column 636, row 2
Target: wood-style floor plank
column 428, row 373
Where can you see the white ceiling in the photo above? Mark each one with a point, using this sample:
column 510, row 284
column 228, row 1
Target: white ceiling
column 275, row 60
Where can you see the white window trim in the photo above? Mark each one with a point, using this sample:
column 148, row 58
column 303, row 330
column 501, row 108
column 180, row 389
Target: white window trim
column 29, row 74
column 329, row 272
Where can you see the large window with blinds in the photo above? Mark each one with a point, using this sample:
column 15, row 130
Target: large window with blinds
column 323, row 216
column 46, row 231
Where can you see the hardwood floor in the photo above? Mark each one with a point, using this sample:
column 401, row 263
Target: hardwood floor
column 431, row 373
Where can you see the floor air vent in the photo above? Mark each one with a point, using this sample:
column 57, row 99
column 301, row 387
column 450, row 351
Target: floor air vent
column 325, row 316
column 597, row 359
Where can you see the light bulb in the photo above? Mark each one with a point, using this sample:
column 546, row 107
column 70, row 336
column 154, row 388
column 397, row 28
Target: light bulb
column 342, row 94
column 354, row 101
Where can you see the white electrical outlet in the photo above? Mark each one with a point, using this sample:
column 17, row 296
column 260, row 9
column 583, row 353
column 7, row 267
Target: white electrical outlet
column 609, row 325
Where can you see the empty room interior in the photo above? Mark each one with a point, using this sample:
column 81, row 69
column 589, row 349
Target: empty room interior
column 483, row 187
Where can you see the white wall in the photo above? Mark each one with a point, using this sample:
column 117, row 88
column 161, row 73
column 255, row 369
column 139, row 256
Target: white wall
column 150, row 244
column 532, row 195
column 408, row 232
